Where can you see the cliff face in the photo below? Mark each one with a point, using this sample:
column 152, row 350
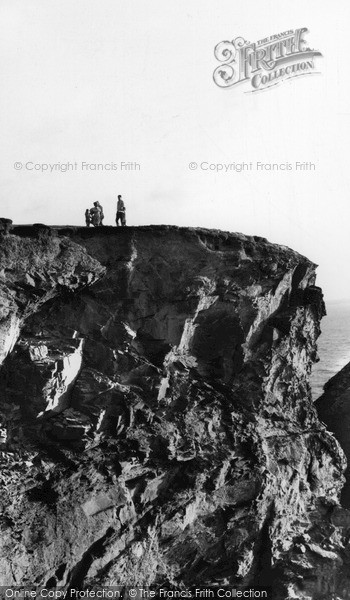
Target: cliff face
column 157, row 424
column 334, row 409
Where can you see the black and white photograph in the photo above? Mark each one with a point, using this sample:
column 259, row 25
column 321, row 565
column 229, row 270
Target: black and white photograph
column 174, row 300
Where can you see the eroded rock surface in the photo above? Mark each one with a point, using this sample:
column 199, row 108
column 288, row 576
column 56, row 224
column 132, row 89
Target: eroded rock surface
column 334, row 409
column 157, row 423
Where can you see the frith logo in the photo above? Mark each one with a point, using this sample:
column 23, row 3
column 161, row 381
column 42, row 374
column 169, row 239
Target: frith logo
column 265, row 63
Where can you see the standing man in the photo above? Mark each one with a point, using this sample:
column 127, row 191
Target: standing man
column 120, row 212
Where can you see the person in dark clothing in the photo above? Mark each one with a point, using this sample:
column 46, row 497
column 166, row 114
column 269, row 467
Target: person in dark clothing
column 87, row 218
column 120, row 212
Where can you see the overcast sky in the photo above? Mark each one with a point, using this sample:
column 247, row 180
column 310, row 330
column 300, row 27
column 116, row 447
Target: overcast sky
column 116, row 81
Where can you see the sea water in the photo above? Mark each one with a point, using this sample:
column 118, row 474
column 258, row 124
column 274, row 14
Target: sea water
column 333, row 345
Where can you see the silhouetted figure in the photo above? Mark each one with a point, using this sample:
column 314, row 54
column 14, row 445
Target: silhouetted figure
column 101, row 211
column 120, row 212
column 87, row 218
column 96, row 214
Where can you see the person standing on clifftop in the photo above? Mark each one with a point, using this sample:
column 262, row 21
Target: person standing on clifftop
column 99, row 206
column 120, row 212
column 96, row 214
column 87, row 218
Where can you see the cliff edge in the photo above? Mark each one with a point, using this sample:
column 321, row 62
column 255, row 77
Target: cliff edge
column 157, row 426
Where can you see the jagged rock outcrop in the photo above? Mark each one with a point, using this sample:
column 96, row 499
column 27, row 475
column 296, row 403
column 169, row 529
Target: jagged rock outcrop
column 157, row 422
column 334, row 409
column 5, row 226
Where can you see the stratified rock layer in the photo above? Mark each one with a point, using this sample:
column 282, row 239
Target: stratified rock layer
column 157, row 423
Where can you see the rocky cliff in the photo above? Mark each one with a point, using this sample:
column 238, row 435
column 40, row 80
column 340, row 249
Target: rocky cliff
column 334, row 409
column 156, row 418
